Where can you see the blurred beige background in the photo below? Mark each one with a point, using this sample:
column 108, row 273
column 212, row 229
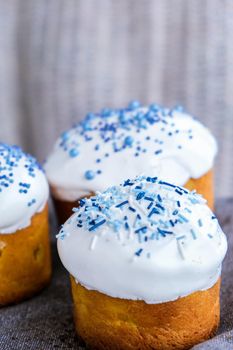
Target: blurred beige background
column 60, row 59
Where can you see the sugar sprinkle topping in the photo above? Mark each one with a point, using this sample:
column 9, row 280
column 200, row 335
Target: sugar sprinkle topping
column 10, row 158
column 119, row 128
column 23, row 188
column 124, row 210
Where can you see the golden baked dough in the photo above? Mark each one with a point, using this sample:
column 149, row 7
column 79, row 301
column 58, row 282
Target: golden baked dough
column 205, row 186
column 25, row 262
column 110, row 323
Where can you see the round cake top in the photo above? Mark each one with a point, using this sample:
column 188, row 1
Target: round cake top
column 23, row 188
column 144, row 240
column 106, row 148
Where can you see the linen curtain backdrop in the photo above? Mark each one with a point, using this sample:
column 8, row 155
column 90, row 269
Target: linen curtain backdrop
column 60, row 59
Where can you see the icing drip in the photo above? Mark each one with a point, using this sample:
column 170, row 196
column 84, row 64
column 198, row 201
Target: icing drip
column 108, row 147
column 144, row 240
column 23, row 188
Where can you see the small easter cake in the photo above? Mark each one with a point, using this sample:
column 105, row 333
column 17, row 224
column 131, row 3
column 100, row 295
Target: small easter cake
column 145, row 264
column 108, row 147
column 25, row 266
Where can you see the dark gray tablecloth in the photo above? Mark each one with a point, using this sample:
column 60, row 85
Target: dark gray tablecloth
column 45, row 322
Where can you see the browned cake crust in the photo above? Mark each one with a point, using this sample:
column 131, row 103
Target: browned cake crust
column 203, row 185
column 63, row 209
column 25, row 262
column 110, row 323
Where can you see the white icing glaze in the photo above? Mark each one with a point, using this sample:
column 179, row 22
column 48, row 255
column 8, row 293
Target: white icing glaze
column 23, row 189
column 188, row 151
column 168, row 259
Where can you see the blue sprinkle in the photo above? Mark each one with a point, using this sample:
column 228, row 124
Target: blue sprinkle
column 179, row 192
column 164, row 232
column 121, row 204
column 127, row 183
column 183, row 189
column 90, row 116
column 200, row 223
column 140, row 195
column 33, row 201
column 180, row 237
column 134, row 105
column 209, row 235
column 160, row 206
column 115, row 147
column 158, row 151
column 150, row 205
column 97, row 225
column 73, row 153
column 82, row 202
column 159, row 198
column 153, row 211
column 149, row 199
column 151, row 179
column 166, row 183
column 128, row 141
column 193, row 234
column 23, row 191
column 132, row 209
column 89, row 175
column 135, row 222
column 138, row 253
column 154, row 107
column 178, row 203
column 141, row 229
column 123, row 117
column 24, row 185
column 153, row 236
column 172, row 223
column 106, row 112
column 183, row 218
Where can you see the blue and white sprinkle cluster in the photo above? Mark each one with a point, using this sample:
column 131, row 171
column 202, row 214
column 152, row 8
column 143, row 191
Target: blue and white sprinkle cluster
column 11, row 158
column 146, row 208
column 120, row 127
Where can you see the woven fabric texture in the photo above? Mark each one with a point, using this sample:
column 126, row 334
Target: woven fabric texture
column 60, row 59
